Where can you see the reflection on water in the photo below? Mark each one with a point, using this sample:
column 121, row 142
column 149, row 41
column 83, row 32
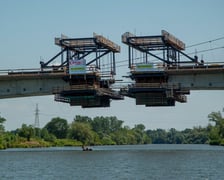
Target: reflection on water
column 114, row 162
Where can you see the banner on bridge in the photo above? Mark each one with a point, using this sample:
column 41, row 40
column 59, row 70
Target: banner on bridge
column 77, row 66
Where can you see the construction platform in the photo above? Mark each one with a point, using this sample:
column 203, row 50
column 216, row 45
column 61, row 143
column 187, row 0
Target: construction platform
column 164, row 83
column 84, row 76
column 88, row 77
column 87, row 91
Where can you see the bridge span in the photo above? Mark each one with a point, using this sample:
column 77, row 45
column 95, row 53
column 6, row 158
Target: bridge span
column 29, row 82
column 83, row 78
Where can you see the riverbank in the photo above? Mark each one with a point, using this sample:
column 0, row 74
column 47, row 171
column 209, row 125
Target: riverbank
column 40, row 143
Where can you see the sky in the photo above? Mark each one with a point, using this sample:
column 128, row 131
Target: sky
column 28, row 29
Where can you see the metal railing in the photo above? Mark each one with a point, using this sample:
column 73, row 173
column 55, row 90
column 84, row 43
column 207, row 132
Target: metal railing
column 26, row 71
column 200, row 65
column 30, row 71
column 156, row 85
column 157, row 67
column 57, row 90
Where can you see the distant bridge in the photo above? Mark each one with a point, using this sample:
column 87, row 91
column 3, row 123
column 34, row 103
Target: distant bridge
column 84, row 78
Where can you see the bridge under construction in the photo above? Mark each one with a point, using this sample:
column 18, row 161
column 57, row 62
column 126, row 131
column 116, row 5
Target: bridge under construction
column 86, row 73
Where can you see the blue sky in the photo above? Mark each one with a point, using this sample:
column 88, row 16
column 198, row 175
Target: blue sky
column 27, row 33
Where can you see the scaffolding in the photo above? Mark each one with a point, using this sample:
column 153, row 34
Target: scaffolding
column 87, row 71
column 165, row 47
column 151, row 87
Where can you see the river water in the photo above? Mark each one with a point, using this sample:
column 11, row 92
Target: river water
column 114, row 162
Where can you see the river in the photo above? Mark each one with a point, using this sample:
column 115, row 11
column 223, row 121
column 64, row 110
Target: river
column 114, row 162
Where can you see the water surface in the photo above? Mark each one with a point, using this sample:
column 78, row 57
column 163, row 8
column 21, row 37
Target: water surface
column 114, row 162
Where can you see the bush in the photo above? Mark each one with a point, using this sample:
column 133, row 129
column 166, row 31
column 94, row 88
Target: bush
column 67, row 142
column 107, row 141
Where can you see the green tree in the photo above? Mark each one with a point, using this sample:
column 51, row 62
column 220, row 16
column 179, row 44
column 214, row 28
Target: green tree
column 58, row 127
column 26, row 131
column 107, row 140
column 82, row 132
column 139, row 133
column 2, row 128
column 6, row 138
column 158, row 136
column 219, row 122
column 216, row 134
column 44, row 134
column 82, row 119
column 120, row 137
column 130, row 135
column 101, row 125
column 115, row 124
column 104, row 126
column 174, row 137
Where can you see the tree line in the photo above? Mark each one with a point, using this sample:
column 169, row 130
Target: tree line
column 108, row 131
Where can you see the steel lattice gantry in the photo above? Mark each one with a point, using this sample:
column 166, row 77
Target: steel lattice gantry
column 88, row 71
column 164, row 47
column 91, row 48
column 151, row 87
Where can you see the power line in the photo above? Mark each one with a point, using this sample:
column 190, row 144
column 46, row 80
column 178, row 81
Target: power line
column 205, row 42
column 205, row 50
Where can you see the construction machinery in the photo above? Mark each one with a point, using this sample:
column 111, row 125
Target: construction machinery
column 82, row 77
column 170, row 74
